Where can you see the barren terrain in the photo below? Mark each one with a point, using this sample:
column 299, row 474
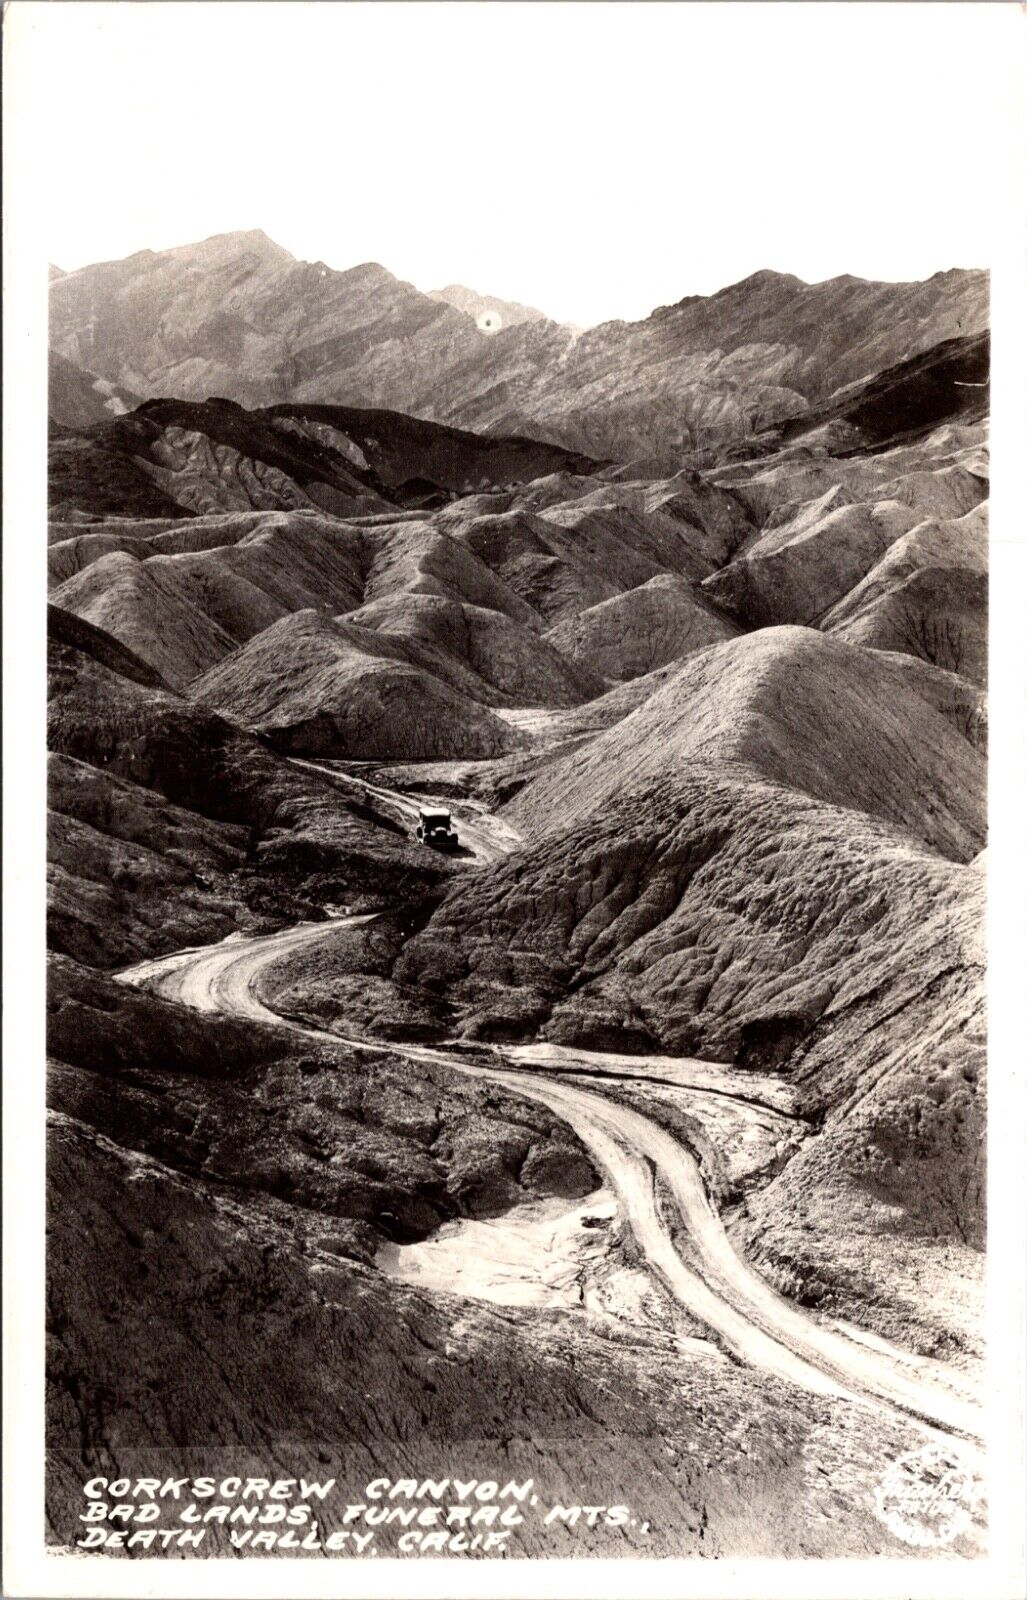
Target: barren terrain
column 636, row 1138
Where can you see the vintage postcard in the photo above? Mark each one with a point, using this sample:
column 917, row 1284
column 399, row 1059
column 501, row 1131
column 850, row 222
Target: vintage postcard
column 498, row 1011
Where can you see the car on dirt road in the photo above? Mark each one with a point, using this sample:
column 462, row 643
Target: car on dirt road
column 435, row 828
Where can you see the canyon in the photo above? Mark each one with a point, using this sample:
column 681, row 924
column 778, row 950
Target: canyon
column 639, row 1138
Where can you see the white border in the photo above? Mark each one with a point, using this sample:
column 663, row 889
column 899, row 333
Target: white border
column 30, row 1572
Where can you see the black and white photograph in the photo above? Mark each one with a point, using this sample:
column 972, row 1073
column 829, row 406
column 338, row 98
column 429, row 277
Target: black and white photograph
column 513, row 485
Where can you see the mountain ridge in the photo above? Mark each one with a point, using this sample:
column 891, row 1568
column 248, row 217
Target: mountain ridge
column 237, row 315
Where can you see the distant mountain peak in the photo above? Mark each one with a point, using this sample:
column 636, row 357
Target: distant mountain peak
column 766, row 278
column 373, row 271
column 489, row 312
column 251, row 240
column 763, row 281
column 252, row 236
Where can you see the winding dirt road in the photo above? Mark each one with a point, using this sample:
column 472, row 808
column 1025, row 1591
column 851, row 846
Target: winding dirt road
column 638, row 1157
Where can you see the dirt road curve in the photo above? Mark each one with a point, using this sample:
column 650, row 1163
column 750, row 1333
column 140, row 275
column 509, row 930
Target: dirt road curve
column 488, row 838
column 706, row 1275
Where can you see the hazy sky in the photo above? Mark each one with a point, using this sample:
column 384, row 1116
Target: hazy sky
column 595, row 160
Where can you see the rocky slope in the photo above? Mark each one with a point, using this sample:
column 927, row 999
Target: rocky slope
column 511, row 664
column 713, row 370
column 170, row 826
column 579, row 548
column 215, row 456
column 796, row 536
column 354, row 1377
column 947, row 381
column 183, row 598
column 127, row 872
column 886, row 549
column 644, row 628
column 761, row 703
column 95, row 474
column 80, row 399
column 927, row 597
column 236, row 315
column 319, row 687
column 186, row 597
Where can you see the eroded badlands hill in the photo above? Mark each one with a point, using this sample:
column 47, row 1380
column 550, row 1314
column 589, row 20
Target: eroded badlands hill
column 763, row 704
column 381, row 633
column 171, row 826
column 533, row 595
column 644, row 628
column 320, row 687
column 216, row 456
column 888, row 549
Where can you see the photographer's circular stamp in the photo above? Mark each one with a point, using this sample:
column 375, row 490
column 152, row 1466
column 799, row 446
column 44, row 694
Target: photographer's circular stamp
column 927, row 1497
